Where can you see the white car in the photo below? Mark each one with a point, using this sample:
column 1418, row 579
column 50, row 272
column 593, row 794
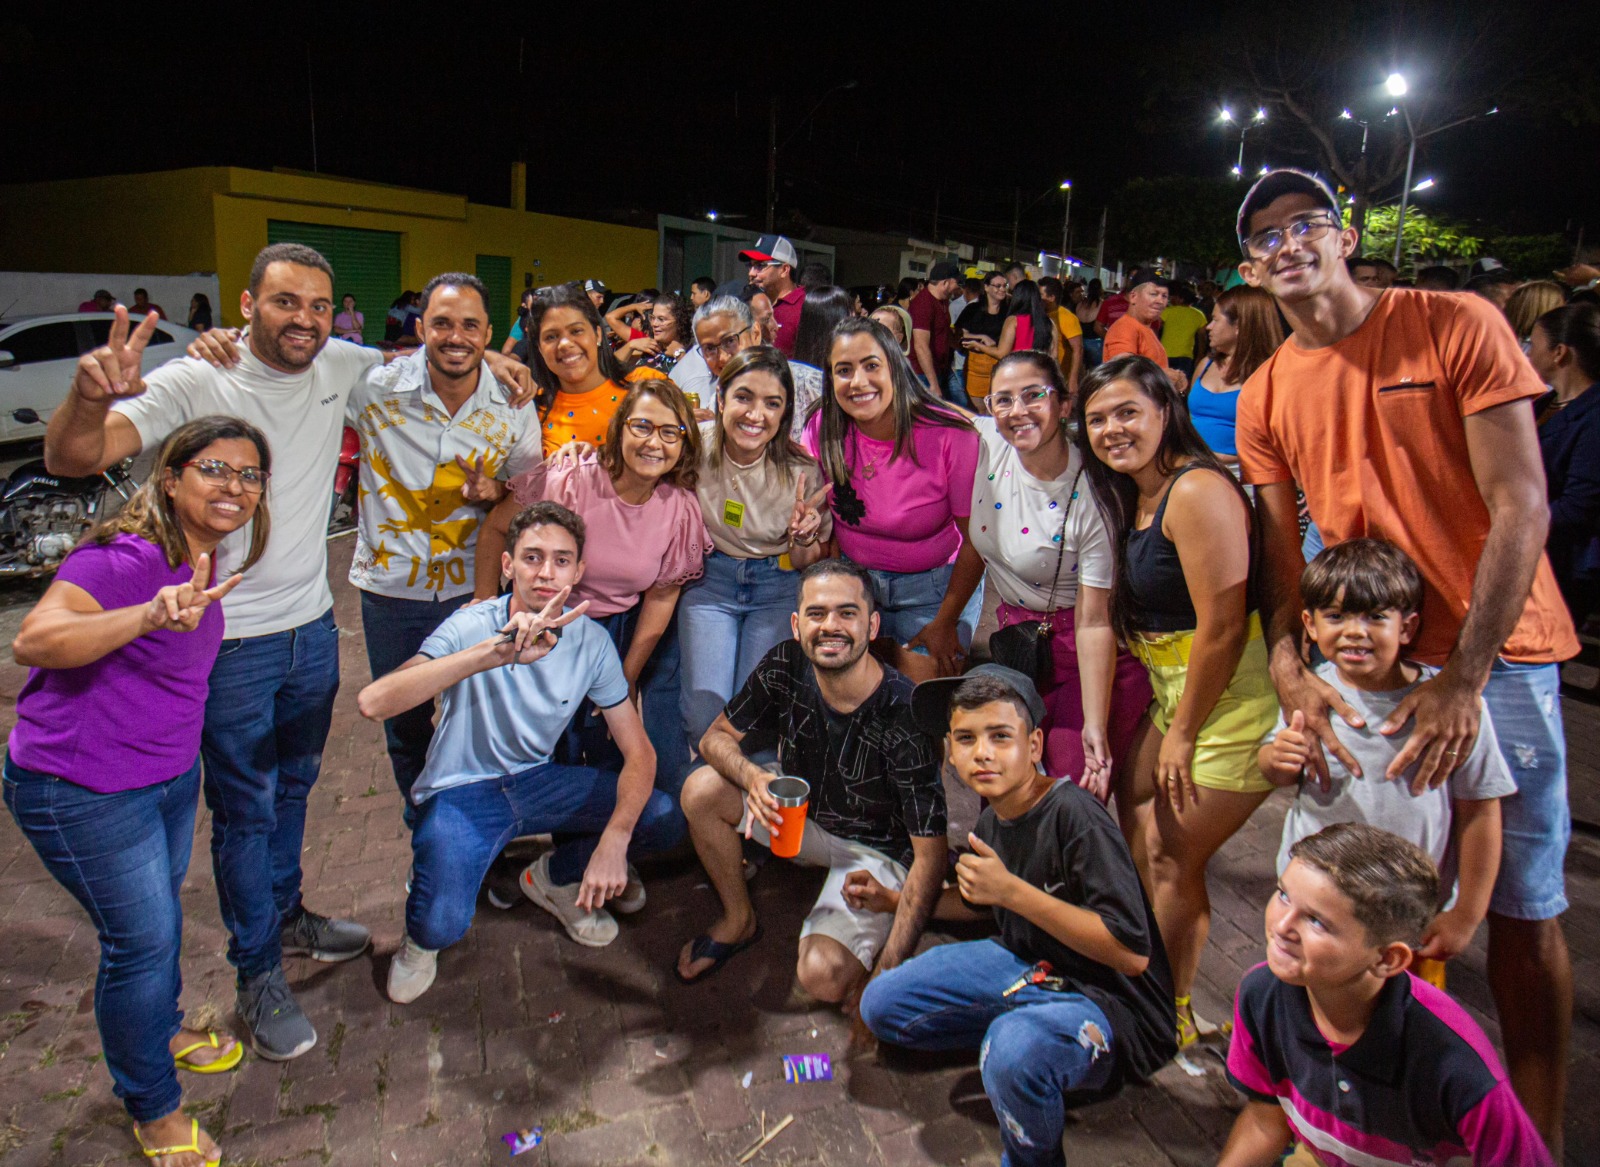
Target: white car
column 38, row 355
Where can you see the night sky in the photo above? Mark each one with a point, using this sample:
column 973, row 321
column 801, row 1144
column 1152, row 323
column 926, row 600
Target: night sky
column 621, row 116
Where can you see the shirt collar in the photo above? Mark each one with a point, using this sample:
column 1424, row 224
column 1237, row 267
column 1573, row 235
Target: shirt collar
column 412, row 377
column 1373, row 1054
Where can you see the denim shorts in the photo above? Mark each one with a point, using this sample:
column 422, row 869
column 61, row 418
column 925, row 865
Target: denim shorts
column 1525, row 702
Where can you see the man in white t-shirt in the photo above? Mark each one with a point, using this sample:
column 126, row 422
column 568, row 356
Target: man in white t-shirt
column 438, row 436
column 277, row 673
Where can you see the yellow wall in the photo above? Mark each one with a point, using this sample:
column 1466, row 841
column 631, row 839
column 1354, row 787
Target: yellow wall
column 215, row 219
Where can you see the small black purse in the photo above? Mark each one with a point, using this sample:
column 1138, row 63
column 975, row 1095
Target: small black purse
column 1025, row 646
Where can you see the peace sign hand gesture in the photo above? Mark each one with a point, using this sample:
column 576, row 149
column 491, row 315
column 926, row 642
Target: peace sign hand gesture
column 480, row 485
column 179, row 607
column 112, row 370
column 805, row 524
column 529, row 636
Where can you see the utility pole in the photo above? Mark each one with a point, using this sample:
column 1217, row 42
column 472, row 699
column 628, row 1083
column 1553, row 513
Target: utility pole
column 1066, row 218
column 1100, row 248
column 937, row 191
column 772, row 162
column 1016, row 219
column 311, row 101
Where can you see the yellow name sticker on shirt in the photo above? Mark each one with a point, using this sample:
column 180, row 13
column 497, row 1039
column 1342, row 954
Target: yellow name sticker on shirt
column 733, row 513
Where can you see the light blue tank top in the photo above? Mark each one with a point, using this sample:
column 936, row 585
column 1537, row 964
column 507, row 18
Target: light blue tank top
column 1214, row 414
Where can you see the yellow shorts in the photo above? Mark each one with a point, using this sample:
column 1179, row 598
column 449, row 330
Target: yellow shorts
column 1247, row 711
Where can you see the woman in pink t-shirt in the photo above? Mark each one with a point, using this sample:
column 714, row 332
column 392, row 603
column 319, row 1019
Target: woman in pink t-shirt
column 645, row 540
column 901, row 462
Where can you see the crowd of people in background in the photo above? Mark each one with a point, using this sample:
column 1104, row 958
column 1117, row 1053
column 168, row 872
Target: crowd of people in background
column 629, row 573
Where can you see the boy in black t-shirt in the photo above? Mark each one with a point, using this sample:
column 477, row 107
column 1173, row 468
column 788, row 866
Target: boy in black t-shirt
column 1075, row 994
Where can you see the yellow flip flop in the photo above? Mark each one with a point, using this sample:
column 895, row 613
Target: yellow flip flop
column 191, row 1147
column 218, row 1065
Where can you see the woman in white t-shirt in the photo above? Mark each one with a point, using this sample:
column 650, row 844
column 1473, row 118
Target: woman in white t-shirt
column 1034, row 522
column 759, row 497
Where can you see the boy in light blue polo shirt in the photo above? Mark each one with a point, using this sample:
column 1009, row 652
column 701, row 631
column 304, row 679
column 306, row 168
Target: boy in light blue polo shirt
column 511, row 672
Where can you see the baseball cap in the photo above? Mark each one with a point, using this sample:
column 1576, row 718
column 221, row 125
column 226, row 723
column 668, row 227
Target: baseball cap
column 596, row 286
column 944, row 270
column 930, row 701
column 772, row 249
column 1276, row 183
column 1145, row 275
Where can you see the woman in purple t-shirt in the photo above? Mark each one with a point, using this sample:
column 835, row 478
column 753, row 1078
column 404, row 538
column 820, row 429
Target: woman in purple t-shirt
column 102, row 772
column 901, row 462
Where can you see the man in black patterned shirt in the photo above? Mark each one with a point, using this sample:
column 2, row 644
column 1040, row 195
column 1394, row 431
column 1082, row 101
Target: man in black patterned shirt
column 841, row 721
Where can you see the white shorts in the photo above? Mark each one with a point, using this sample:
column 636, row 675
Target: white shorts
column 861, row 931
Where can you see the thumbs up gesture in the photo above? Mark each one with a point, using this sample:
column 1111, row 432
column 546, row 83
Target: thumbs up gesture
column 982, row 878
column 1284, row 759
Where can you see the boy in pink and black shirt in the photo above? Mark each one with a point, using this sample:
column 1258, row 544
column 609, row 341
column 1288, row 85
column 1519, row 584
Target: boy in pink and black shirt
column 1339, row 1048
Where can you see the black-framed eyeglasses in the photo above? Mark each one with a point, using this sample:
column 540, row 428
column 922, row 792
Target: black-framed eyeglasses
column 728, row 345
column 1005, row 402
column 1264, row 244
column 219, row 473
column 670, row 433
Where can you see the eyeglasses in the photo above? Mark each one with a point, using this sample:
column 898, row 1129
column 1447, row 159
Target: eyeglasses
column 998, row 285
column 670, row 433
column 219, row 473
column 1264, row 244
column 728, row 345
column 1005, row 402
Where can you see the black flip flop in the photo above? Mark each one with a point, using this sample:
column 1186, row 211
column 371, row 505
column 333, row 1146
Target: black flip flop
column 704, row 946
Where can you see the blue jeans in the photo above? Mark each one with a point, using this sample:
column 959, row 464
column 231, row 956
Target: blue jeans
column 395, row 629
column 267, row 720
column 1524, row 700
column 907, row 600
column 123, row 857
column 729, row 619
column 461, row 829
column 586, row 741
column 1035, row 1045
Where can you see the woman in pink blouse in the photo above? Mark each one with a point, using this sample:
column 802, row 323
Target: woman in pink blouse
column 645, row 540
column 901, row 463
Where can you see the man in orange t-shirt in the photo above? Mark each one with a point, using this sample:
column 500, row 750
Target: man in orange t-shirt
column 1133, row 333
column 1405, row 415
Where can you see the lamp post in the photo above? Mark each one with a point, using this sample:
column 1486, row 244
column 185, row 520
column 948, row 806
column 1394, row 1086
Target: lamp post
column 1226, row 115
column 773, row 145
column 1066, row 218
column 1395, row 85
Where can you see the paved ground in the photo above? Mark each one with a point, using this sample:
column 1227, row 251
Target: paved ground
column 616, row 1060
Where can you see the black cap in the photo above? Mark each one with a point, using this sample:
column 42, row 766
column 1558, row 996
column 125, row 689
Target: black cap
column 930, row 701
column 1276, row 183
column 944, row 270
column 1145, row 275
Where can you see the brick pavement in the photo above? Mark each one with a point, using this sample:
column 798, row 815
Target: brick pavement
column 638, row 1069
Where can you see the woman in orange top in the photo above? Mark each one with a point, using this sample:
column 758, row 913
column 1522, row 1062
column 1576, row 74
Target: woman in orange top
column 580, row 380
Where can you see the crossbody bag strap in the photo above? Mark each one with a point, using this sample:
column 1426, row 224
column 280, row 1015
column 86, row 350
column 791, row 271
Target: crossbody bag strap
column 1061, row 551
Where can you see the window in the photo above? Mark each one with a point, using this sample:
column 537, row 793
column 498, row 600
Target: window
column 54, row 341
column 100, row 333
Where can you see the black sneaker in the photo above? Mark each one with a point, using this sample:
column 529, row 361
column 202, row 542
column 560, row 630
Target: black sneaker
column 279, row 1028
column 322, row 938
column 500, row 885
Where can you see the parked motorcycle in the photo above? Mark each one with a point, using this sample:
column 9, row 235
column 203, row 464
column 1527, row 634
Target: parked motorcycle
column 43, row 515
column 346, row 485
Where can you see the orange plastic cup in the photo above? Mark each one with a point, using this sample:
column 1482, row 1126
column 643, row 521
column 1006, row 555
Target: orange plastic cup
column 793, row 796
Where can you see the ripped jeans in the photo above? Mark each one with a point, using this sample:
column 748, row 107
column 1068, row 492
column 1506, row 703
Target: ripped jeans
column 1036, row 1045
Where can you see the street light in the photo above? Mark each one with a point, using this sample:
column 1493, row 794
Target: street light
column 1425, row 184
column 1396, row 85
column 1066, row 217
column 711, row 216
column 773, row 145
column 1226, row 115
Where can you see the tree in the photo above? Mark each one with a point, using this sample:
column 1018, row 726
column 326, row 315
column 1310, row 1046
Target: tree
column 1179, row 218
column 1426, row 238
column 1306, row 66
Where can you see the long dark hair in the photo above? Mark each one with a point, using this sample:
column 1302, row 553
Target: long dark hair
column 913, row 404
column 824, row 307
column 543, row 376
column 1026, row 301
column 1116, row 493
column 1578, row 327
column 781, row 450
column 152, row 515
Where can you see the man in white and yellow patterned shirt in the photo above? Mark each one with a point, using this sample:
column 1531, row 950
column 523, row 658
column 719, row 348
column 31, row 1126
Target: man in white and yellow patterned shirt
column 438, row 437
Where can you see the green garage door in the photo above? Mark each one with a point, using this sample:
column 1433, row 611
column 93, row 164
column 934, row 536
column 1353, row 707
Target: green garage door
column 495, row 272
column 366, row 265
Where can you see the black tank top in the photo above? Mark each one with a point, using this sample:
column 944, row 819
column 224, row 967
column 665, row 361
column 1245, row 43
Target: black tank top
column 1160, row 594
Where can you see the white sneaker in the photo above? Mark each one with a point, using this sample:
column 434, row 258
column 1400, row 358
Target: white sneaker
column 411, row 972
column 592, row 929
column 632, row 898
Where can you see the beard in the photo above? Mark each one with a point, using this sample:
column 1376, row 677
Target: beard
column 277, row 354
column 856, row 650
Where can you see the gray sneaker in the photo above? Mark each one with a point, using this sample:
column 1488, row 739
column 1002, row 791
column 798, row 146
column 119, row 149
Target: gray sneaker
column 324, row 939
column 279, row 1028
